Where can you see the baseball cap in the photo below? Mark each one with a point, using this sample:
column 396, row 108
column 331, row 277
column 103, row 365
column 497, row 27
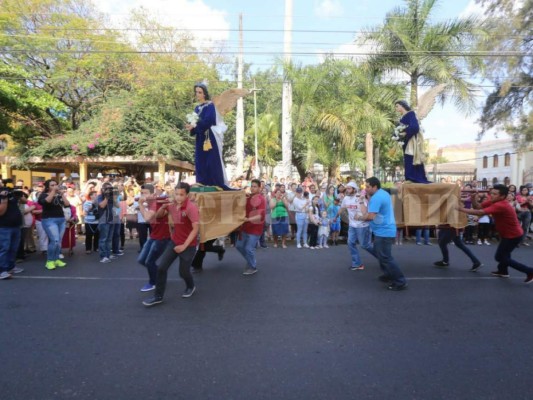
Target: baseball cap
column 299, row 190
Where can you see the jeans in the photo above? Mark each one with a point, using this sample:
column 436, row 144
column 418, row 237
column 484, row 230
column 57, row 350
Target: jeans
column 9, row 243
column 503, row 256
column 115, row 238
column 104, row 243
column 151, row 251
column 361, row 235
column 301, row 228
column 525, row 220
column 448, row 235
column 246, row 246
column 54, row 228
column 418, row 234
column 143, row 229
column 382, row 251
column 166, row 260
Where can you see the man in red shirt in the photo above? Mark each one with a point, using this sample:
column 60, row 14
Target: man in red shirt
column 252, row 229
column 185, row 217
column 507, row 225
column 159, row 238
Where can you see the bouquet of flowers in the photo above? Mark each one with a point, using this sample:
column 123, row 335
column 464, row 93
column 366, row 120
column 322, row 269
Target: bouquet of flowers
column 192, row 119
column 399, row 133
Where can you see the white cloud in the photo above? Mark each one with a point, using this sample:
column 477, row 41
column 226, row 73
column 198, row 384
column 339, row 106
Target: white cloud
column 328, row 8
column 183, row 14
column 473, row 9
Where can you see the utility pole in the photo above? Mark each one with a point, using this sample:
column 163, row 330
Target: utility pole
column 239, row 134
column 286, row 100
column 256, row 152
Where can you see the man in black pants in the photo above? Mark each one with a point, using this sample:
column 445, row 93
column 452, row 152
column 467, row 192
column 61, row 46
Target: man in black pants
column 448, row 234
column 209, row 246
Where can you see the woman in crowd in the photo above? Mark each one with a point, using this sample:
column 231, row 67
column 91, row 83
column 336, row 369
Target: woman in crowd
column 524, row 206
column 53, row 200
column 314, row 223
column 90, row 210
column 301, row 206
column 280, row 218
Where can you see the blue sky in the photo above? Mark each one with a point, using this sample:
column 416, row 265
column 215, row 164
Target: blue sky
column 345, row 17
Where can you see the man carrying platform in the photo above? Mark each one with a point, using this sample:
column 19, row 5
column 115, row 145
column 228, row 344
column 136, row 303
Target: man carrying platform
column 507, row 225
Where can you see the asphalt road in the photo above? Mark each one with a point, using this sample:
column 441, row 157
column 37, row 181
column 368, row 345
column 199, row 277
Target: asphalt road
column 304, row 327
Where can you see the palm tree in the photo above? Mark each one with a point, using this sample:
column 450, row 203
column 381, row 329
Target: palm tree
column 428, row 53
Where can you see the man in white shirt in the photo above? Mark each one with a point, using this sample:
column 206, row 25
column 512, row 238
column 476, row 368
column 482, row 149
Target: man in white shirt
column 356, row 205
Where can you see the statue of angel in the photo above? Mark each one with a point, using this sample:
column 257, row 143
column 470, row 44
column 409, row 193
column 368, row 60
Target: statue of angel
column 409, row 133
column 209, row 129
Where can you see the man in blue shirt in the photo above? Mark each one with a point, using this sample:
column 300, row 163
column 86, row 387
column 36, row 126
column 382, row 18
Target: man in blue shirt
column 383, row 225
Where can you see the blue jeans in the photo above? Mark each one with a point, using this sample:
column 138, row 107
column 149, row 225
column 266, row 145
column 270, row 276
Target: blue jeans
column 104, row 243
column 361, row 235
column 115, row 237
column 151, row 251
column 246, row 246
column 54, row 228
column 301, row 228
column 9, row 243
column 448, row 235
column 503, row 256
column 383, row 252
column 418, row 234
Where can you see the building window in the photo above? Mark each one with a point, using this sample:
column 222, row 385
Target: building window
column 484, row 183
column 494, row 181
column 506, row 181
column 495, row 160
column 485, row 162
column 507, row 159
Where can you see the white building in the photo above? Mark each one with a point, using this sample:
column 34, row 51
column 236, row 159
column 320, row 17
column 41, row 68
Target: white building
column 498, row 161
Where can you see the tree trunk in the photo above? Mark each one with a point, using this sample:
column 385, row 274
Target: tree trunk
column 369, row 147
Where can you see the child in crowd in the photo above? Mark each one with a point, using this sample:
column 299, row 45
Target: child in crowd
column 335, row 225
column 323, row 230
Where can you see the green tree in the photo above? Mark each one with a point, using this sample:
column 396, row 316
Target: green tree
column 428, row 53
column 268, row 140
column 509, row 104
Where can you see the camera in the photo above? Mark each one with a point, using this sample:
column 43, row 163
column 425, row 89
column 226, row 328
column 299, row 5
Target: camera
column 9, row 191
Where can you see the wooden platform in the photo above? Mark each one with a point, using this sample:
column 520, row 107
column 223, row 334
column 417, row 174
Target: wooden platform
column 432, row 204
column 221, row 212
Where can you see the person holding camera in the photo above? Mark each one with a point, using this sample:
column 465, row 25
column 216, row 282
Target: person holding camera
column 53, row 199
column 90, row 210
column 105, row 222
column 10, row 223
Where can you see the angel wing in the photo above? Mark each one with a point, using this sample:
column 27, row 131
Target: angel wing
column 227, row 100
column 427, row 101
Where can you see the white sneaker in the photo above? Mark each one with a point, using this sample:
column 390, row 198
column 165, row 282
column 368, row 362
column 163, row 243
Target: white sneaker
column 299, row 246
column 306, row 246
column 479, row 242
column 105, row 260
column 5, row 275
column 61, row 256
column 326, row 246
column 487, row 242
column 112, row 257
column 16, row 270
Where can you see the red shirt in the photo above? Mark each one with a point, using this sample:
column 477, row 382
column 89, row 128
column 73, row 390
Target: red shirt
column 160, row 228
column 505, row 219
column 255, row 205
column 183, row 217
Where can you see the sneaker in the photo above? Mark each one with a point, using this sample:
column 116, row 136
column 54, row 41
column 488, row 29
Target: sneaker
column 61, row 256
column 50, row 265
column 311, row 248
column 152, row 301
column 88, row 252
column 418, row 244
column 475, row 267
column 299, row 246
column 120, row 253
column 479, row 242
column 188, row 292
column 249, row 271
column 147, row 288
column 326, row 246
column 319, row 247
column 397, row 288
column 487, row 243
column 113, row 257
column 499, row 274
column 5, row 275
column 60, row 263
column 306, row 246
column 441, row 264
column 16, row 270
column 359, row 268
column 529, row 279
column 428, row 244
column 105, row 260
column 221, row 254
column 526, row 244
